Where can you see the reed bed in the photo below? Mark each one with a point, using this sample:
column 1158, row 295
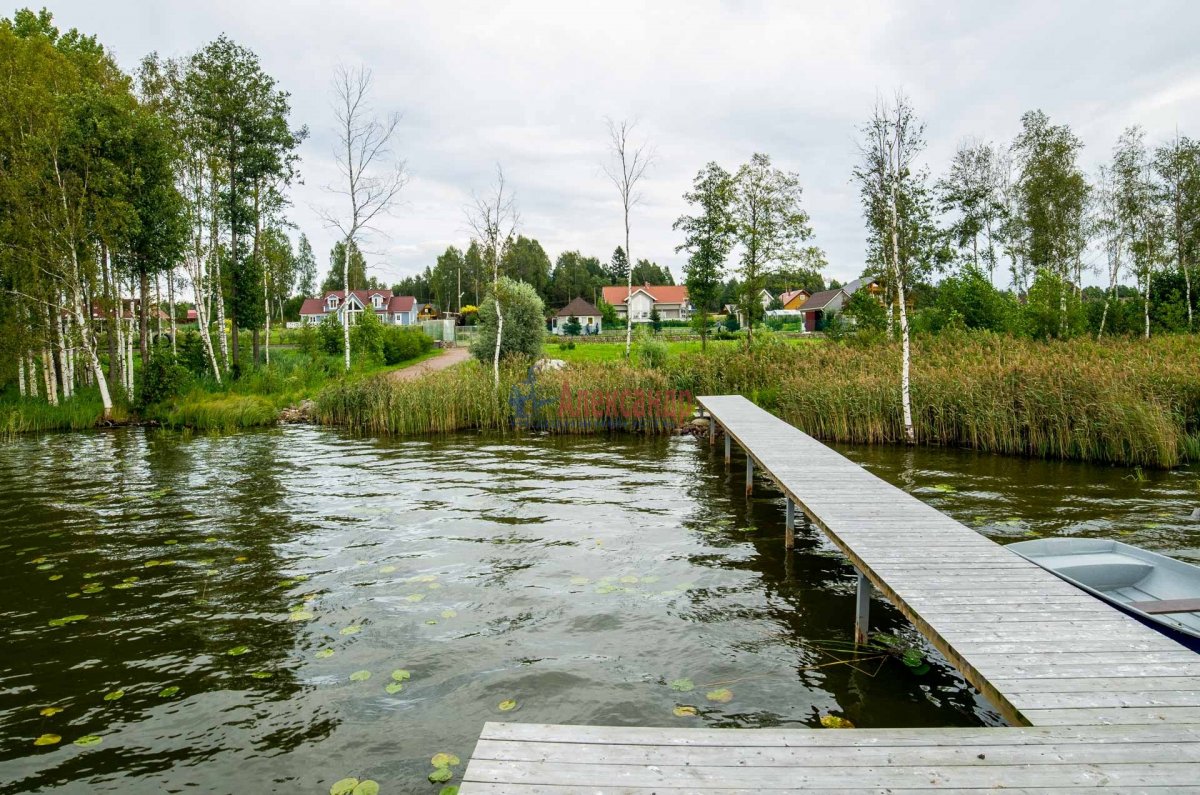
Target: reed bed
column 83, row 410
column 1119, row 401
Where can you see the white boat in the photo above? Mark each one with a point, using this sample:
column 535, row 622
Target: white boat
column 1159, row 591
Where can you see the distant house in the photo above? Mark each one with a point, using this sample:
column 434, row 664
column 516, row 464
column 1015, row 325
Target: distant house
column 427, row 312
column 192, row 317
column 583, row 311
column 820, row 305
column 671, row 301
column 869, row 283
column 396, row 310
column 793, row 299
column 130, row 309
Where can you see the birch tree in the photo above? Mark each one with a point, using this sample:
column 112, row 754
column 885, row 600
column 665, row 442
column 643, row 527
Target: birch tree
column 1141, row 215
column 1107, row 224
column 493, row 220
column 371, row 177
column 1177, row 167
column 895, row 203
column 625, row 168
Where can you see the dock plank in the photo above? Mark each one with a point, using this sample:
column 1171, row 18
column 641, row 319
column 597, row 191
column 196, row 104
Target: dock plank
column 1096, row 700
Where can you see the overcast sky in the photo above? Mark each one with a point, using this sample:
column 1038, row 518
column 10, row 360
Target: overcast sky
column 528, row 85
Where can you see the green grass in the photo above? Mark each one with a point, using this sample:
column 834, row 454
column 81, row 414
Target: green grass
column 26, row 415
column 615, row 351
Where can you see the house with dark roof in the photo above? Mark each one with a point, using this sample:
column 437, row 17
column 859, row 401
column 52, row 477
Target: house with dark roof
column 820, row 306
column 584, row 311
column 671, row 301
column 395, row 310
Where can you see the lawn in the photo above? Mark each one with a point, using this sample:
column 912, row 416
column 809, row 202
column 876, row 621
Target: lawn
column 615, row 351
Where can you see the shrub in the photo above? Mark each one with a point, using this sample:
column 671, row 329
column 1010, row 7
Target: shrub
column 731, row 323
column 308, row 340
column 572, row 327
column 161, row 378
column 366, row 338
column 524, row 324
column 401, row 343
column 330, row 334
column 652, row 353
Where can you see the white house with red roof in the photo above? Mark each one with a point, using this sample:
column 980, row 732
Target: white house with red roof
column 671, row 301
column 395, row 310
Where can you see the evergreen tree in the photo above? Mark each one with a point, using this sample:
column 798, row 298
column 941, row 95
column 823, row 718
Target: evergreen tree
column 618, row 267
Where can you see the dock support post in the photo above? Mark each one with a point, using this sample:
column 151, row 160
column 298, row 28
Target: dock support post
column 728, row 450
column 789, row 538
column 712, row 430
column 749, row 474
column 862, row 610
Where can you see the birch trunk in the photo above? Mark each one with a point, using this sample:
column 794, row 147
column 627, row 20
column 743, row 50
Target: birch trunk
column 905, row 353
column 1146, row 304
column 33, row 383
column 171, row 305
column 89, row 350
column 64, row 376
column 217, row 291
column 346, row 300
column 628, row 289
column 21, row 375
column 48, row 377
column 499, row 334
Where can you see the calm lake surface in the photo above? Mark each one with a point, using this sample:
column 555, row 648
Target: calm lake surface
column 263, row 574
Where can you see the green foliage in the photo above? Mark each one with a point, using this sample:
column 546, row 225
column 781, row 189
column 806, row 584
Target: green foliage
column 526, row 261
column 331, row 335
column 868, row 313
column 1052, row 308
column 524, row 322
column 160, row 378
column 572, row 327
column 647, row 272
column 655, row 320
column 575, row 276
column 366, row 338
column 731, row 323
column 335, row 279
column 402, row 343
column 608, row 314
column 971, row 300
column 708, row 237
column 618, row 267
column 651, row 352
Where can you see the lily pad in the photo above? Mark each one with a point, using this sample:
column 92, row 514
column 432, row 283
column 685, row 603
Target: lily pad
column 58, row 622
column 114, row 695
column 89, row 739
column 171, row 542
column 386, row 569
column 45, row 567
column 360, row 676
column 343, row 787
column 54, row 739
column 414, row 597
column 55, row 577
column 944, row 487
column 393, row 688
column 507, row 705
column 262, row 674
column 323, row 654
column 401, row 675
column 241, row 559
column 683, row 685
column 685, row 711
column 123, row 586
column 210, row 540
column 425, row 578
column 48, row 711
column 449, row 613
column 237, row 651
column 301, row 615
column 629, row 579
column 433, row 586
column 445, row 760
column 440, row 775
column 721, row 696
column 167, row 692
column 367, row 787
column 92, row 588
column 451, row 789
column 353, row 629
column 151, row 563
column 834, row 722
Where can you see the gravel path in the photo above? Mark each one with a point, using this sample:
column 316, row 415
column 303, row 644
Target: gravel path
column 448, row 358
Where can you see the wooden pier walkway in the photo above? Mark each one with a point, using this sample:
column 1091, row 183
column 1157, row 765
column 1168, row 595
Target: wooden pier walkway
column 1095, row 698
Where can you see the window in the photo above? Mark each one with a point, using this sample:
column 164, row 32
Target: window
column 331, row 302
column 377, row 301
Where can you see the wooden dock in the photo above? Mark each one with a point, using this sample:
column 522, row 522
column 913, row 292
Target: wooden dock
column 1095, row 698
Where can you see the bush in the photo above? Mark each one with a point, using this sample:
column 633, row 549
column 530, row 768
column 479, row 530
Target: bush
column 366, row 338
column 401, row 343
column 731, row 323
column 308, row 340
column 330, row 334
column 524, row 324
column 191, row 354
column 161, row 378
column 572, row 326
column 651, row 352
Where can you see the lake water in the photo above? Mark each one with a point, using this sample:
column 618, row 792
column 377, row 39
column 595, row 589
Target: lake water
column 577, row 580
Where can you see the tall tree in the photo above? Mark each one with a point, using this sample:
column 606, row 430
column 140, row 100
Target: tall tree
column 708, row 238
column 618, row 266
column 526, row 261
column 1107, row 224
column 1177, row 166
column 347, row 270
column 769, row 225
column 575, row 276
column 306, row 268
column 626, row 167
column 494, row 219
column 1052, row 200
column 897, row 207
column 445, row 279
column 370, row 185
column 1141, row 215
column 242, row 118
column 970, row 191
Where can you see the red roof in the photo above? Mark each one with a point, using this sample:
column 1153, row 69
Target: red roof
column 790, row 294
column 661, row 293
column 392, row 303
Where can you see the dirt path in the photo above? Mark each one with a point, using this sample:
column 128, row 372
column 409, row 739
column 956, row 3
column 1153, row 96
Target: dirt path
column 448, row 358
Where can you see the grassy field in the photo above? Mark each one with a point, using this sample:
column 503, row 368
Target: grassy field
column 615, row 351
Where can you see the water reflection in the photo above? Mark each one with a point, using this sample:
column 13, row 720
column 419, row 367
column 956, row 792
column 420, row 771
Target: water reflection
column 578, row 577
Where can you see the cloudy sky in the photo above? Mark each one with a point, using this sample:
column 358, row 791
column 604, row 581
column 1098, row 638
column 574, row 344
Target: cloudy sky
column 528, row 85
